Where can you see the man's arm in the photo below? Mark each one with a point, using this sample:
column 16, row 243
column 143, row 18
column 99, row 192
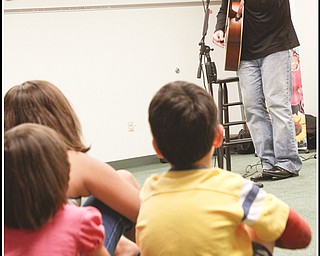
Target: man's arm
column 221, row 16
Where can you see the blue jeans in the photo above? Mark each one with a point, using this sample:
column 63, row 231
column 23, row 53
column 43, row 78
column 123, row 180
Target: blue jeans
column 266, row 87
column 260, row 250
column 115, row 224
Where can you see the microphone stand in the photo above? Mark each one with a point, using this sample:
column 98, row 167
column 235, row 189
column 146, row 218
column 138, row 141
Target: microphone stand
column 211, row 71
column 210, row 66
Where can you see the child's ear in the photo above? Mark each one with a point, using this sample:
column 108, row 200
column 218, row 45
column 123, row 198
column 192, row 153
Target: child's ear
column 155, row 146
column 218, row 139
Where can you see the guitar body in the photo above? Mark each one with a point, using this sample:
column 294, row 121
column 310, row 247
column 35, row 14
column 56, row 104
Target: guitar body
column 233, row 38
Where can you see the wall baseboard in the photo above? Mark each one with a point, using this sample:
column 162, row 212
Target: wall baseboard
column 134, row 162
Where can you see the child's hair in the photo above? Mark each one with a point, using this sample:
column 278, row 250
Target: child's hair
column 41, row 102
column 36, row 175
column 183, row 121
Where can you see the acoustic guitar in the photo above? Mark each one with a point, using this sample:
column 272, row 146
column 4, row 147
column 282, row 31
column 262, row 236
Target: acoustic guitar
column 233, row 37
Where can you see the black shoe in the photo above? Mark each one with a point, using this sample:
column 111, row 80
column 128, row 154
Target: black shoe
column 260, row 185
column 261, row 177
column 279, row 172
column 164, row 161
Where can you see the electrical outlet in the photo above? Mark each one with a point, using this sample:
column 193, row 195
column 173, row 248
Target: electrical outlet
column 130, row 126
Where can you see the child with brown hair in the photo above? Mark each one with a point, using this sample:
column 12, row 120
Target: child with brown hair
column 196, row 209
column 37, row 218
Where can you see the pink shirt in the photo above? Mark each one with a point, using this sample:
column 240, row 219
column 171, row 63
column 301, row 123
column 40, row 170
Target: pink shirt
column 73, row 230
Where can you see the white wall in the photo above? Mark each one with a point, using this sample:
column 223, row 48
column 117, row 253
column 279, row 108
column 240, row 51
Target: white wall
column 110, row 63
column 306, row 23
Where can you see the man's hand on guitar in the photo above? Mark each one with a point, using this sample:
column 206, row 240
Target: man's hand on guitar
column 218, row 38
column 240, row 11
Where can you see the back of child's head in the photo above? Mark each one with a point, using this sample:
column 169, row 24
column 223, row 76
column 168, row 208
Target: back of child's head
column 183, row 121
column 41, row 102
column 36, row 175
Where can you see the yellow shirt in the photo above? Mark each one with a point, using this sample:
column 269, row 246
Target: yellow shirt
column 202, row 212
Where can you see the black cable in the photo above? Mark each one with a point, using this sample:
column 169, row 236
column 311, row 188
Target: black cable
column 247, row 171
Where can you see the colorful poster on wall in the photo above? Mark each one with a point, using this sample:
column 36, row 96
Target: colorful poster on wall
column 297, row 104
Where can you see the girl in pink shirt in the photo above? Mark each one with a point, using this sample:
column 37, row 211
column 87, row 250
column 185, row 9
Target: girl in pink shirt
column 38, row 221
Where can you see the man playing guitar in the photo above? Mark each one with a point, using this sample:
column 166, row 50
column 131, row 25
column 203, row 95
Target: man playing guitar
column 265, row 77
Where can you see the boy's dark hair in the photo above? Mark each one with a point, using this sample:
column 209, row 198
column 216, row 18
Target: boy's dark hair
column 36, row 175
column 183, row 121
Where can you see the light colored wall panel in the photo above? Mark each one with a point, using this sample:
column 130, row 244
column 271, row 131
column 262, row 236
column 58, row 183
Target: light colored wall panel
column 109, row 63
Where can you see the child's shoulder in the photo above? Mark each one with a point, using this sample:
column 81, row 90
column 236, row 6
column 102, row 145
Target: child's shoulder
column 79, row 213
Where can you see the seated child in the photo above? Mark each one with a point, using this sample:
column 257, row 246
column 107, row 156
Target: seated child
column 196, row 209
column 37, row 219
column 114, row 192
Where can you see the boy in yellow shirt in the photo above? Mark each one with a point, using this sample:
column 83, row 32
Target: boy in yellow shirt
column 197, row 209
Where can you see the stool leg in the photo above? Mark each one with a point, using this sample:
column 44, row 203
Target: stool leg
column 227, row 128
column 220, row 111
